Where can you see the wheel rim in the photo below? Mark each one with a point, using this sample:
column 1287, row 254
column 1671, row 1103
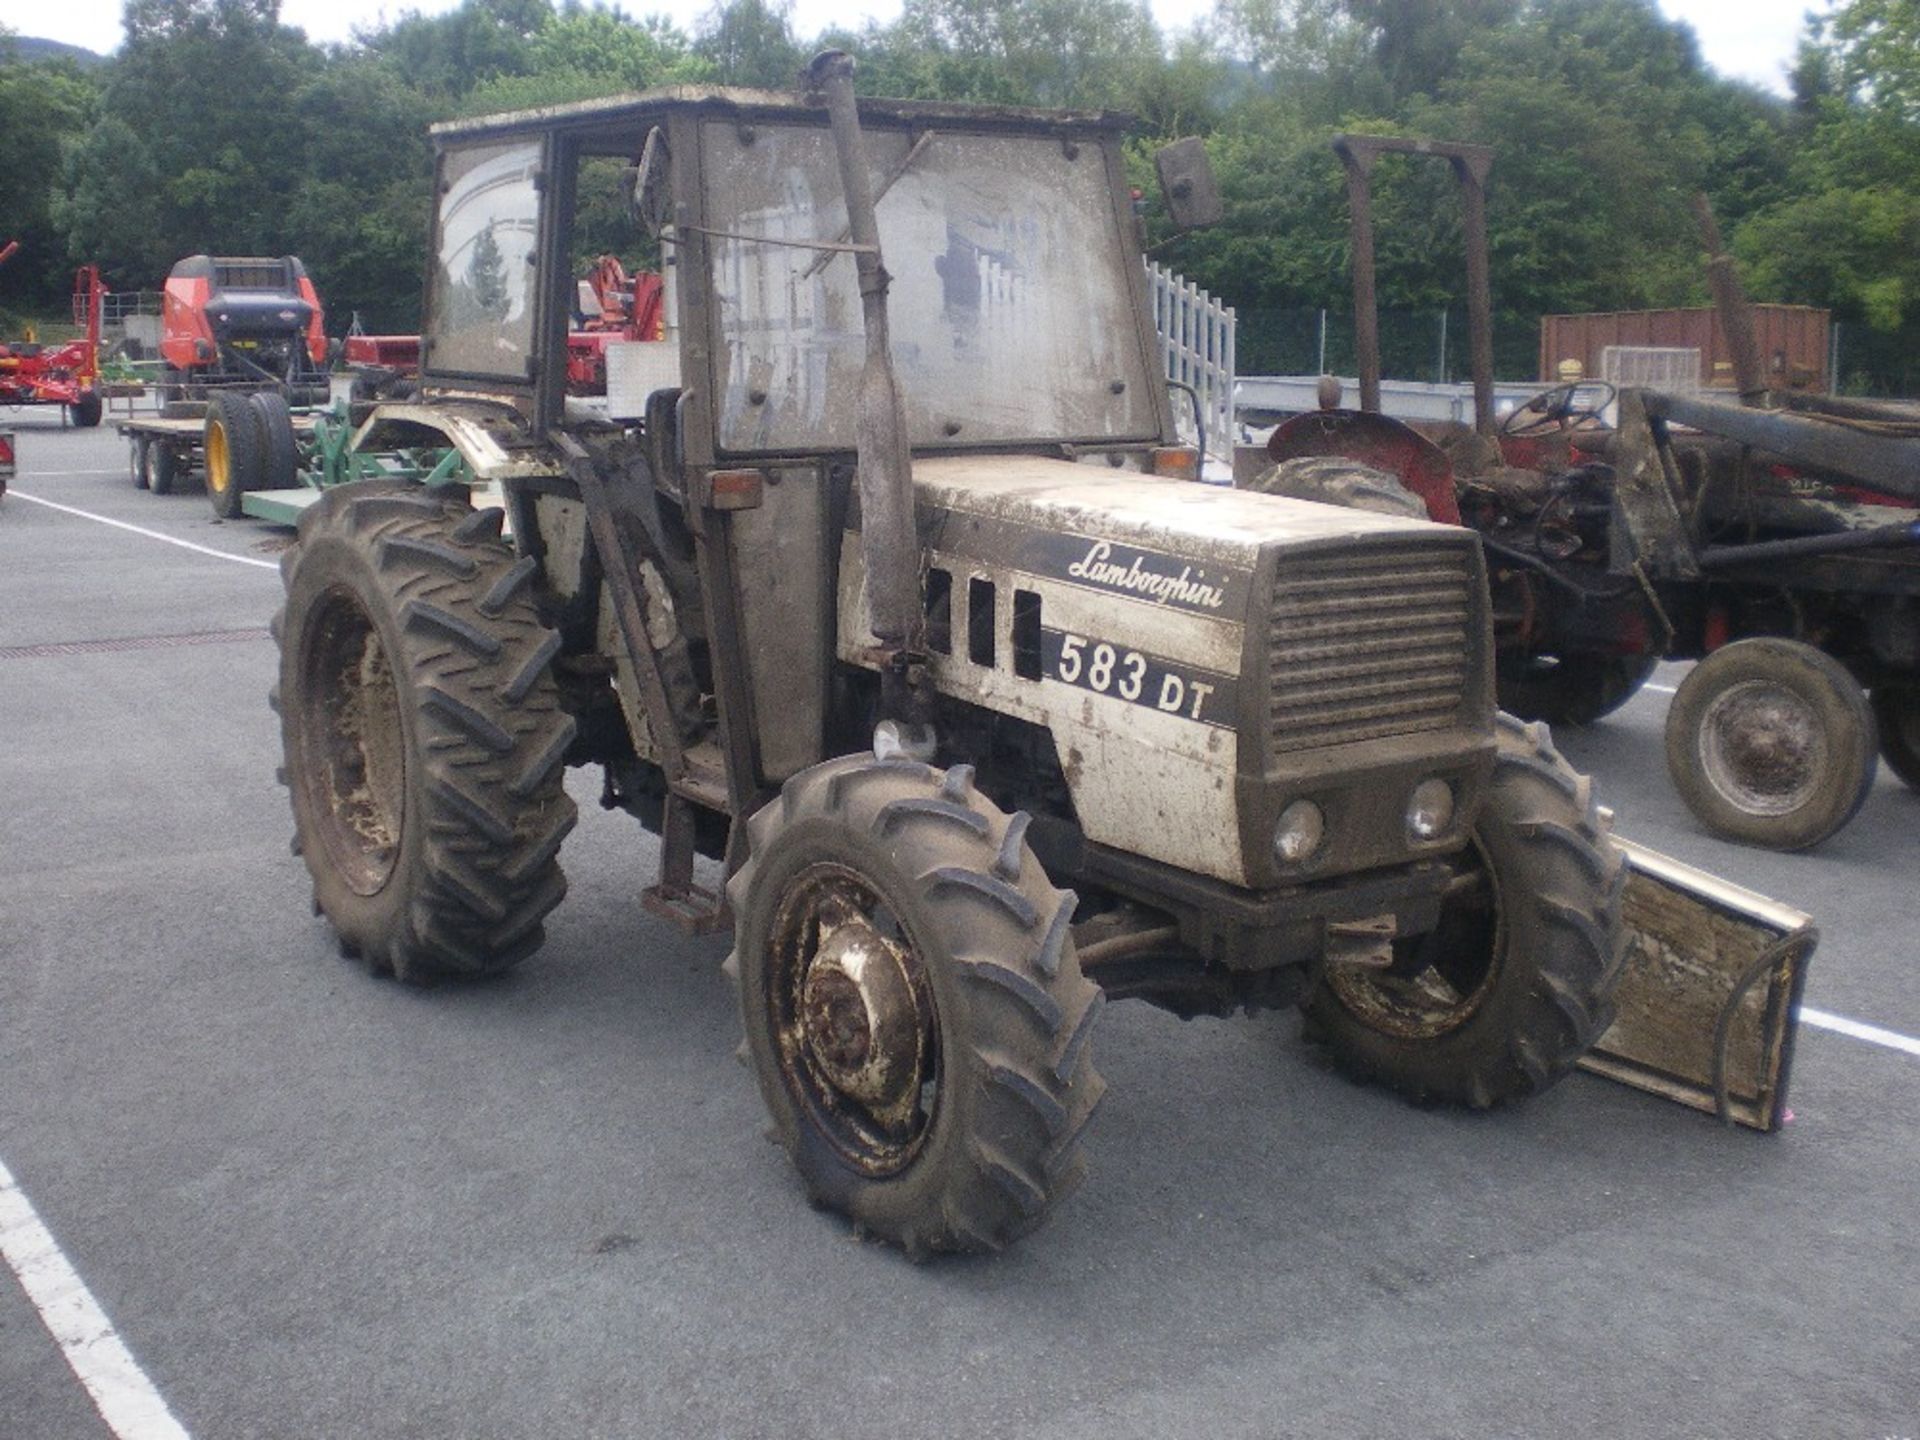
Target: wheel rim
column 353, row 744
column 1426, row 986
column 218, row 463
column 1762, row 747
column 855, row 1031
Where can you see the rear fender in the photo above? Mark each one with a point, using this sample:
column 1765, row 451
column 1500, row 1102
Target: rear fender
column 1379, row 441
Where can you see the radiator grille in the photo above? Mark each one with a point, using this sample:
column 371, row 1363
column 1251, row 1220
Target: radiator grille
column 1371, row 642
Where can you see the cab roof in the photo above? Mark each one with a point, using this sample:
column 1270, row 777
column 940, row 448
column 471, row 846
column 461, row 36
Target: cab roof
column 619, row 110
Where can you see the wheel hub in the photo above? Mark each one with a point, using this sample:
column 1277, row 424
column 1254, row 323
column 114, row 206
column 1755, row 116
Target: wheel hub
column 862, row 1022
column 1762, row 747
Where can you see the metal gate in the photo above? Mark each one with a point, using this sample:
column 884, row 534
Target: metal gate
column 1197, row 333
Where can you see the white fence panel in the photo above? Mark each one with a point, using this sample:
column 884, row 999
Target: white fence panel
column 1197, row 333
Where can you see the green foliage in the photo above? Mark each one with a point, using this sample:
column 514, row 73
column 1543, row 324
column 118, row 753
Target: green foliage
column 217, row 128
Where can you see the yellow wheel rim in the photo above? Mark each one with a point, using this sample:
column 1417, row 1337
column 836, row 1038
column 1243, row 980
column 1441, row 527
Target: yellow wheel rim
column 217, row 464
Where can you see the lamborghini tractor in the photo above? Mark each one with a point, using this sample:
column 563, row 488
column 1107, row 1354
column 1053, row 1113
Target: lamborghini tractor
column 882, row 582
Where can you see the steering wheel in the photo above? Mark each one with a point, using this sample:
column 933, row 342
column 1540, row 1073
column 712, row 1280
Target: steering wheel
column 1561, row 408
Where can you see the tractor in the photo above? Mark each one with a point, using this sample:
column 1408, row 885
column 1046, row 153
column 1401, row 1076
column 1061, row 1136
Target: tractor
column 882, row 582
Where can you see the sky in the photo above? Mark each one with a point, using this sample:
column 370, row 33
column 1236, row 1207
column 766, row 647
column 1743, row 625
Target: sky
column 1747, row 39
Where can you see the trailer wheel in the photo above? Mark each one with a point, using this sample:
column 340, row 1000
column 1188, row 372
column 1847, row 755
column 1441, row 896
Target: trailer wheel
column 280, row 452
column 162, row 466
column 1771, row 742
column 1569, row 689
column 912, row 1005
column 1896, row 711
column 423, row 732
column 85, row 412
column 1516, row 981
column 137, row 460
column 235, row 451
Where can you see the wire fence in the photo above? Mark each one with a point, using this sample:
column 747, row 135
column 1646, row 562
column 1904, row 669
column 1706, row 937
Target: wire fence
column 1431, row 345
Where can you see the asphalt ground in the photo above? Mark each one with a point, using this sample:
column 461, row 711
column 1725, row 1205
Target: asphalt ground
column 312, row 1203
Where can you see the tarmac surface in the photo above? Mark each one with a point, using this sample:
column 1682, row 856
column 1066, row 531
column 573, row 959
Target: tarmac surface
column 313, row 1203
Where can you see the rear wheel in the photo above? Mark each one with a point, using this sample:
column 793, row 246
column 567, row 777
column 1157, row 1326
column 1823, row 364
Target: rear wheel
column 85, row 412
column 235, row 452
column 1771, row 742
column 912, row 1004
column 1896, row 710
column 424, row 738
column 137, row 461
column 1569, row 689
column 1516, row 982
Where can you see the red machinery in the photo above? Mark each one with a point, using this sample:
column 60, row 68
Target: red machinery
column 244, row 321
column 66, row 374
column 623, row 308
column 616, row 307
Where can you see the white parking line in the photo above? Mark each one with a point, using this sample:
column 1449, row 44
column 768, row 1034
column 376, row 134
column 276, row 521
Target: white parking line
column 121, row 1391
column 1872, row 1034
column 150, row 534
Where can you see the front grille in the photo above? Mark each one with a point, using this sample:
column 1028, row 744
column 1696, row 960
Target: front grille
column 1370, row 642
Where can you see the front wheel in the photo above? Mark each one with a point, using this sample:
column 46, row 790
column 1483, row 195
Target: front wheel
column 912, row 1005
column 1515, row 983
column 1771, row 742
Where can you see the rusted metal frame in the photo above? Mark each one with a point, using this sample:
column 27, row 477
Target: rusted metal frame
column 1471, row 165
column 1888, row 463
column 618, row 569
column 1730, row 300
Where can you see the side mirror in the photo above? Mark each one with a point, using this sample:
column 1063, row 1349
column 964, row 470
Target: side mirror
column 1186, row 180
column 649, row 201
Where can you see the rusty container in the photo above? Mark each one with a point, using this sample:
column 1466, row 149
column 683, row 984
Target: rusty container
column 1793, row 342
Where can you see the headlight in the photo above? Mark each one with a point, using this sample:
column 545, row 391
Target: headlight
column 1429, row 809
column 1299, row 833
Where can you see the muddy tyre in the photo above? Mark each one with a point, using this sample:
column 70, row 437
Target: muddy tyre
column 1896, row 714
column 162, row 466
column 1516, row 982
column 1771, row 742
column 912, row 1005
column 424, row 739
column 1569, row 689
column 234, row 449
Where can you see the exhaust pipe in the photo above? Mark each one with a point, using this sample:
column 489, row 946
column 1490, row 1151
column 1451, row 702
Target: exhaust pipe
column 889, row 541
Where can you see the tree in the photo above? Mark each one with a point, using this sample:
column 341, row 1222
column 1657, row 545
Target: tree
column 751, row 42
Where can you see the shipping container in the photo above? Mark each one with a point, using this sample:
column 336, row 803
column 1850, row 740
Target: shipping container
column 1793, row 342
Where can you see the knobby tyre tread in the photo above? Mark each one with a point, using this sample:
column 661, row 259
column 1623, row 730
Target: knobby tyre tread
column 1014, row 1012
column 484, row 736
column 1560, row 883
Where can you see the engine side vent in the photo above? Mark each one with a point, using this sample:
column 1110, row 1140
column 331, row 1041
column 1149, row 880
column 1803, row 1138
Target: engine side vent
column 1371, row 642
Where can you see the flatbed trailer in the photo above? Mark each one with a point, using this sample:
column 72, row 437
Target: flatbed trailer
column 164, row 449
column 321, row 448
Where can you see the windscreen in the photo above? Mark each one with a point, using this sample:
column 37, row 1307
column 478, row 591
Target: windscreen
column 481, row 315
column 1011, row 303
